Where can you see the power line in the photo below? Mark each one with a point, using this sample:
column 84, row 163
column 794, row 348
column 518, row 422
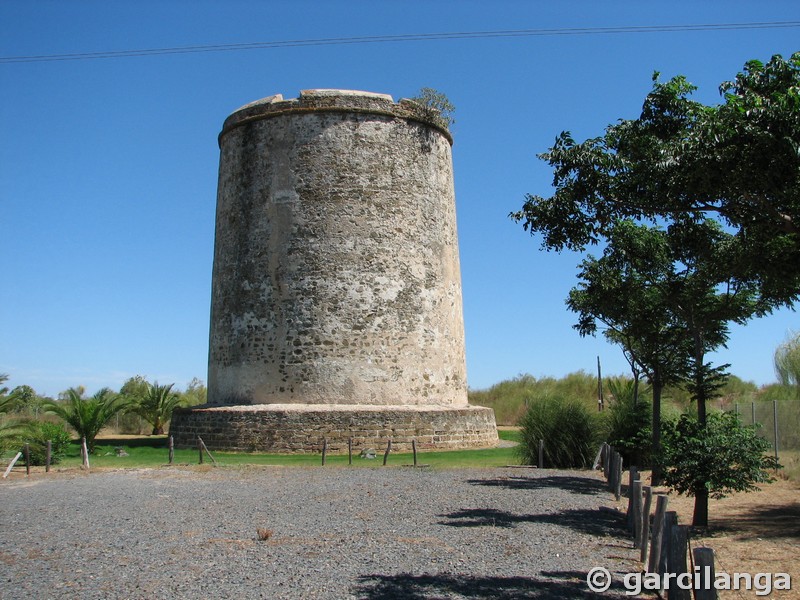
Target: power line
column 412, row 37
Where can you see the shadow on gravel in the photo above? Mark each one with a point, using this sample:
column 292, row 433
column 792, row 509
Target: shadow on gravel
column 566, row 584
column 593, row 522
column 570, row 483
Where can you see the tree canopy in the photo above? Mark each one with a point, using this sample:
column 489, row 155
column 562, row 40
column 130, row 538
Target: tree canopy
column 661, row 296
column 682, row 161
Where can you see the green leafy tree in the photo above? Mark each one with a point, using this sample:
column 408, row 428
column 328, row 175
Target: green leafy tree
column 625, row 293
column 738, row 162
column 714, row 459
column 135, row 387
column 87, row 416
column 196, row 393
column 66, row 394
column 676, row 166
column 156, row 405
column 787, row 362
column 27, row 400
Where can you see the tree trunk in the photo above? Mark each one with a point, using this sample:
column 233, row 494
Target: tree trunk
column 637, row 457
column 700, row 379
column 700, row 517
column 655, row 459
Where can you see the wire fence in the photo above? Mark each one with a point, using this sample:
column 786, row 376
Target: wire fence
column 779, row 421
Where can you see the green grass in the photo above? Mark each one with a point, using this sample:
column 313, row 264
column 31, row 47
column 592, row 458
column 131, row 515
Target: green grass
column 151, row 451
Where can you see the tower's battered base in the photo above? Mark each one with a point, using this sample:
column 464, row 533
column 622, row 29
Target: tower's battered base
column 301, row 428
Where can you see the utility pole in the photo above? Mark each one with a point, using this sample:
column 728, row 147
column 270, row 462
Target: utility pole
column 599, row 387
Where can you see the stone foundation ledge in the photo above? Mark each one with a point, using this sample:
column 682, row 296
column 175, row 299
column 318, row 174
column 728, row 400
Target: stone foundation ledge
column 301, row 428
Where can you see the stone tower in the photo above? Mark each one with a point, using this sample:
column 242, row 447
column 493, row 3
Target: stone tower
column 336, row 292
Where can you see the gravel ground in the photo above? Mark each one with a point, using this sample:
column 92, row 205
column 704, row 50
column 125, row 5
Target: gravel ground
column 337, row 533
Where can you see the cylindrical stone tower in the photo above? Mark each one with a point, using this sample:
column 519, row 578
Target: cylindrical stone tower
column 336, row 287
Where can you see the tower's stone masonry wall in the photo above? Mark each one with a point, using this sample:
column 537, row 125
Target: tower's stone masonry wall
column 287, row 429
column 336, row 290
column 336, row 273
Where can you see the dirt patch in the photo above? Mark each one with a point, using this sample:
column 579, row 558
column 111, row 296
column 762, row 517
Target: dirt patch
column 757, row 532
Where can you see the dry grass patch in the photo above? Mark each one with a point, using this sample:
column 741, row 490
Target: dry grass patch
column 757, row 532
column 263, row 534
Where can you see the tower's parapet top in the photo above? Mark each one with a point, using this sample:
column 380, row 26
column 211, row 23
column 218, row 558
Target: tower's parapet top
column 333, row 100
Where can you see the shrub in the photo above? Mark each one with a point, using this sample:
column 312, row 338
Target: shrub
column 628, row 422
column 567, row 428
column 128, row 424
column 39, row 433
column 714, row 460
column 436, row 106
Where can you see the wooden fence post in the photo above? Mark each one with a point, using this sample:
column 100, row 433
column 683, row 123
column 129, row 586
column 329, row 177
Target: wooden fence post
column 541, row 454
column 11, row 464
column 48, row 456
column 775, row 427
column 636, row 511
column 633, row 475
column 324, row 450
column 704, row 559
column 414, row 450
column 204, row 447
column 200, row 448
column 26, row 451
column 644, row 536
column 606, row 460
column 598, row 458
column 676, row 563
column 171, row 450
column 658, row 532
column 618, row 477
column 670, row 521
column 388, row 450
column 350, row 450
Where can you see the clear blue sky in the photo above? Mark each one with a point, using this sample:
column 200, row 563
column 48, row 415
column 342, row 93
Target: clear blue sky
column 108, row 167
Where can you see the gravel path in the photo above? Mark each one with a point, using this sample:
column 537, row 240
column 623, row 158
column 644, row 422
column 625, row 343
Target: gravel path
column 337, row 533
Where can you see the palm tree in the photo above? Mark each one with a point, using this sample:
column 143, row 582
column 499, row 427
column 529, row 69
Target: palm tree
column 87, row 416
column 156, row 405
column 10, row 428
column 7, row 401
